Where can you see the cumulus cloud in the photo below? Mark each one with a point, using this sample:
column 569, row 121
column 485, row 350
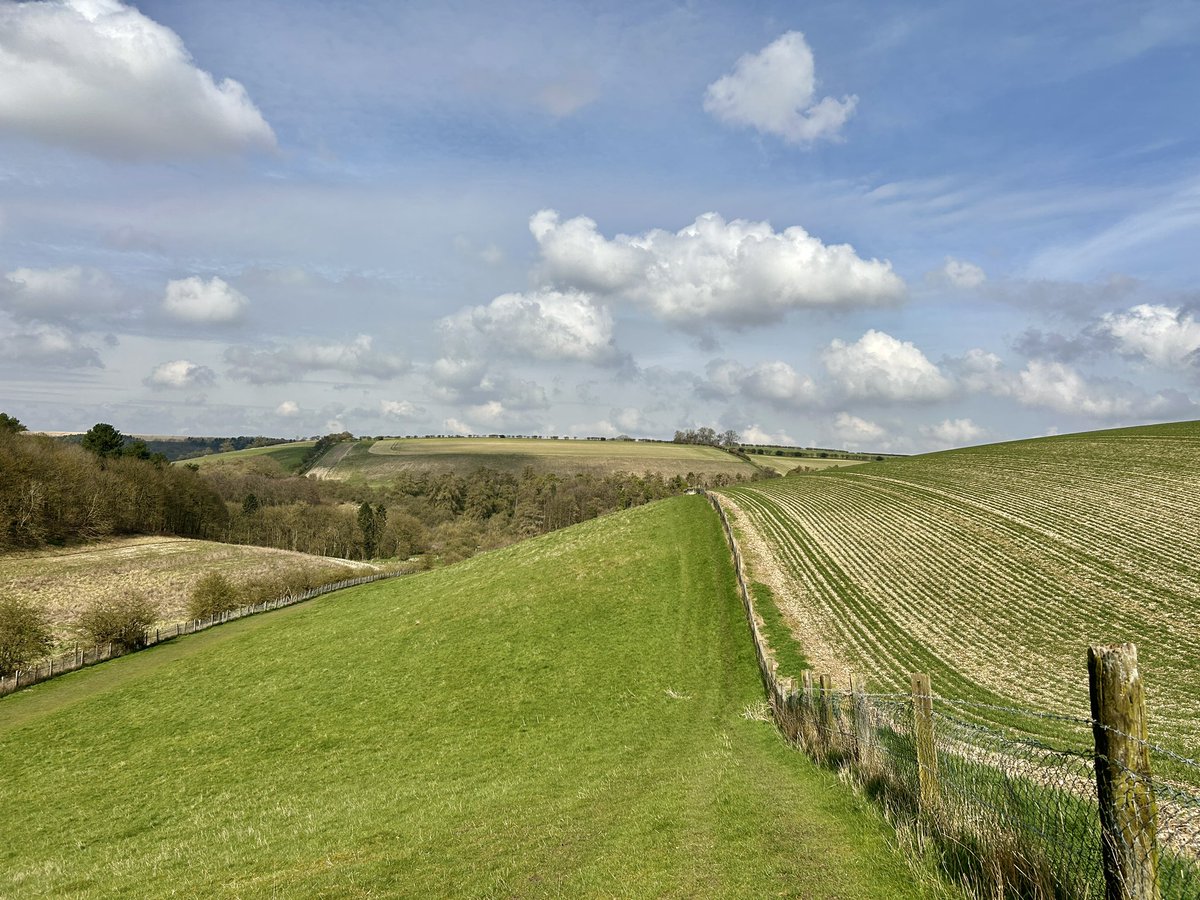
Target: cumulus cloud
column 854, row 432
column 288, row 408
column 737, row 273
column 1163, row 335
column 289, row 362
column 47, row 345
column 57, row 293
column 400, row 409
column 207, row 302
column 180, row 374
column 953, row 432
column 753, row 434
column 469, row 381
column 977, row 370
column 546, row 324
column 1059, row 387
column 774, row 91
column 99, row 76
column 958, row 273
column 879, row 367
column 775, row 382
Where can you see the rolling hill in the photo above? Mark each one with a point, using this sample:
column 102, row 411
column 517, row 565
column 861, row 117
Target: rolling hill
column 993, row 567
column 576, row 715
column 379, row 460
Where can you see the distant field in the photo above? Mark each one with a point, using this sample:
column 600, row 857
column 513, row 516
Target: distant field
column 575, row 716
column 993, row 568
column 785, row 464
column 382, row 459
column 164, row 569
column 288, row 456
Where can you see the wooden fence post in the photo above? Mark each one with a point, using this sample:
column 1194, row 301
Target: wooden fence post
column 864, row 736
column 828, row 723
column 1128, row 812
column 927, row 764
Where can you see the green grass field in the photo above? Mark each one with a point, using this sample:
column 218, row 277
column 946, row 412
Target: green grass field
column 378, row 461
column 564, row 717
column 287, row 456
column 992, row 568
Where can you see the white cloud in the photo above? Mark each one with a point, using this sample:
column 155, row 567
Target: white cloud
column 47, row 345
column 775, row 382
column 1163, row 335
column 288, row 408
column 101, row 77
column 978, row 370
column 773, row 91
column 293, row 361
column 753, row 434
column 179, row 374
column 210, row 302
column 455, row 426
column 879, row 367
column 56, row 293
column 546, row 325
column 400, row 409
column 854, row 432
column 958, row 273
column 953, row 432
column 738, row 273
column 1056, row 386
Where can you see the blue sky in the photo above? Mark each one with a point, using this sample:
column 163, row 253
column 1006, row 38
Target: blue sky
column 882, row 225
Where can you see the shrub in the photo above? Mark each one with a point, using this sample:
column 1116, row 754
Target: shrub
column 122, row 621
column 24, row 634
column 212, row 595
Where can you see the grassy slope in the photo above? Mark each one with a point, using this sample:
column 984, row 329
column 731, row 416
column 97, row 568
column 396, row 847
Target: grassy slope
column 993, row 567
column 288, row 456
column 464, row 455
column 165, row 569
column 499, row 728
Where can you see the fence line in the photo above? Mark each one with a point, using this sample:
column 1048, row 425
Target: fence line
column 1082, row 814
column 81, row 658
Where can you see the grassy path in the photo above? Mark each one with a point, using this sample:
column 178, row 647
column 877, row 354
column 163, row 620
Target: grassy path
column 560, row 718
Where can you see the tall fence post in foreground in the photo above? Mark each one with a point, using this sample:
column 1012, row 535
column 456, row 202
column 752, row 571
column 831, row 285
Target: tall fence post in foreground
column 927, row 764
column 1128, row 812
column 864, row 738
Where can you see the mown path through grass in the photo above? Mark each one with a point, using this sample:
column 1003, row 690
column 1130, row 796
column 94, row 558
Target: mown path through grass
column 559, row 718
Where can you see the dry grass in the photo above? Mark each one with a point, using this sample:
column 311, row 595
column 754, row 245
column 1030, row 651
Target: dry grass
column 63, row 581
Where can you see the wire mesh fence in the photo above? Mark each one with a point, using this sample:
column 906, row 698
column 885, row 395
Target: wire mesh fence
column 82, row 657
column 1051, row 806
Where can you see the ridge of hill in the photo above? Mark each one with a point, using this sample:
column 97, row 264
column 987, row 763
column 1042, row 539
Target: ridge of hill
column 569, row 716
column 993, row 567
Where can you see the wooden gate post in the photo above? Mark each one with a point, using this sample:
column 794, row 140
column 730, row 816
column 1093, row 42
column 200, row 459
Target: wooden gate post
column 927, row 764
column 1128, row 812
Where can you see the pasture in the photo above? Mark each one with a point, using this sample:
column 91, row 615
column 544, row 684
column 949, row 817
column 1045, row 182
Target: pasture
column 992, row 568
column 286, row 456
column 380, row 460
column 570, row 716
column 165, row 569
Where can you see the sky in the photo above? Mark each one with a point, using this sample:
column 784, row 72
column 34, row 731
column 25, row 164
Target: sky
column 887, row 226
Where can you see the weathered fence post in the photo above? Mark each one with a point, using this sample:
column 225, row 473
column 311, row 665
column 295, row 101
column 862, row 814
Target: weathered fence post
column 828, row 724
column 1128, row 812
column 927, row 764
column 864, row 736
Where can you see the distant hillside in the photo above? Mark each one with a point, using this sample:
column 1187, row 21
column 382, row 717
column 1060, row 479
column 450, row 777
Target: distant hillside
column 63, row 581
column 994, row 567
column 376, row 461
